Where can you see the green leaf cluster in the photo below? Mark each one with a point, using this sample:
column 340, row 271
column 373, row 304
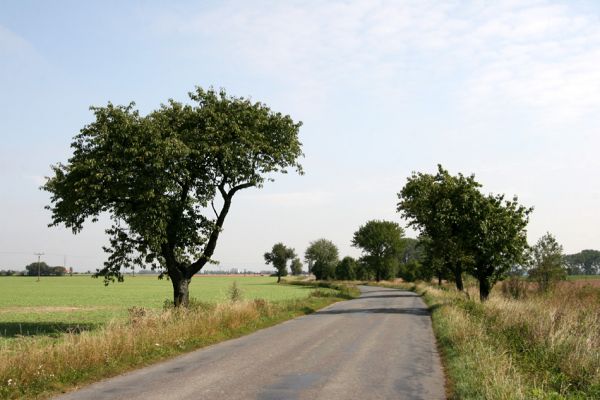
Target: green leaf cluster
column 462, row 229
column 167, row 179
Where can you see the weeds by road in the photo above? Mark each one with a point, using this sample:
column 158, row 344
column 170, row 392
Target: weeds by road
column 541, row 347
column 37, row 367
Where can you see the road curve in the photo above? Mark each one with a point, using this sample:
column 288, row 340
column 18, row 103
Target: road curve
column 379, row 346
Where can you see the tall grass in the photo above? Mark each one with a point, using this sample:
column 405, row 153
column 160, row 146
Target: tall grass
column 540, row 347
column 32, row 367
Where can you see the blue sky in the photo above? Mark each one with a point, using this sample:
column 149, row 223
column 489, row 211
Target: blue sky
column 509, row 91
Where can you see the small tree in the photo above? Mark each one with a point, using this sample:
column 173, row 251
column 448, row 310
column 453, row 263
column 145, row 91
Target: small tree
column 322, row 257
column 546, row 261
column 381, row 243
column 296, row 266
column 279, row 257
column 346, row 269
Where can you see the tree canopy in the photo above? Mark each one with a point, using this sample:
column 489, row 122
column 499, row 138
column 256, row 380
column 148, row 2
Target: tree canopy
column 464, row 230
column 296, row 266
column 322, row 257
column 438, row 206
column 279, row 256
column 346, row 269
column 585, row 262
column 167, row 179
column 382, row 244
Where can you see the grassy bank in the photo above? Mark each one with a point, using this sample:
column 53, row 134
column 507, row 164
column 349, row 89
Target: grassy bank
column 542, row 347
column 36, row 367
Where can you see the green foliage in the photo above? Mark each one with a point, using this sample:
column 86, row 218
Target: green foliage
column 322, row 257
column 296, row 266
column 546, row 263
column 157, row 175
column 382, row 244
column 585, row 262
column 439, row 206
column 44, row 270
column 346, row 269
column 279, row 257
column 464, row 230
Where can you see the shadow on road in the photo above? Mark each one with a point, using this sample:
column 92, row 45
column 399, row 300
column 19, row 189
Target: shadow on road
column 391, row 310
column 383, row 296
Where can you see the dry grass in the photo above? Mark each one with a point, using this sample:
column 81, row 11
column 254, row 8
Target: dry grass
column 541, row 347
column 32, row 367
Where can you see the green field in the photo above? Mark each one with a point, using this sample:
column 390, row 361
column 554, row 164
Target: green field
column 59, row 304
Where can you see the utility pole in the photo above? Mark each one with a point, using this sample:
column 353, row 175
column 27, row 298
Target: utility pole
column 38, row 263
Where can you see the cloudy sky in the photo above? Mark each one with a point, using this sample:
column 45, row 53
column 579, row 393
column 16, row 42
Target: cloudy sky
column 509, row 91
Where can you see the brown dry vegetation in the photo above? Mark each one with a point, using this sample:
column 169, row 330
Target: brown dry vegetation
column 540, row 347
column 32, row 367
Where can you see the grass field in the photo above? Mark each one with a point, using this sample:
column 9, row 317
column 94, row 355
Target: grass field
column 59, row 304
column 131, row 328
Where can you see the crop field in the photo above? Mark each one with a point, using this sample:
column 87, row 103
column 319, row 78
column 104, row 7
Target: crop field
column 73, row 303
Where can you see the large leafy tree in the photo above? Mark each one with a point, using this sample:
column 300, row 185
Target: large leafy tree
column 279, row 256
column 497, row 240
column 167, row 179
column 437, row 206
column 382, row 244
column 322, row 257
column 464, row 230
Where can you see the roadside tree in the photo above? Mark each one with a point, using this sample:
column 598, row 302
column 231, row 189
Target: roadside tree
column 346, row 269
column 465, row 230
column 439, row 206
column 322, row 257
column 381, row 243
column 160, row 177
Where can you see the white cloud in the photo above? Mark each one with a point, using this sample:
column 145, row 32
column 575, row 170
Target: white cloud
column 536, row 55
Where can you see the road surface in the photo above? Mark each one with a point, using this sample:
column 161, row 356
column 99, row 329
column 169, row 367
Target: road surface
column 380, row 346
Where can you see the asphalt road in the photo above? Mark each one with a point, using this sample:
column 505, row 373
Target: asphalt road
column 380, row 346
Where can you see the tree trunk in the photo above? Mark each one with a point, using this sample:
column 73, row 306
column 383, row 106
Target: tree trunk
column 181, row 291
column 458, row 278
column 484, row 289
column 278, row 278
column 378, row 275
column 440, row 279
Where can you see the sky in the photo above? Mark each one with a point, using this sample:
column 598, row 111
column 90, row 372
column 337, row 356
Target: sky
column 506, row 90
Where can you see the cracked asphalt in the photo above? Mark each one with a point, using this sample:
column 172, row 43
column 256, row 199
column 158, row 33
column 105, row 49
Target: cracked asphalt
column 379, row 346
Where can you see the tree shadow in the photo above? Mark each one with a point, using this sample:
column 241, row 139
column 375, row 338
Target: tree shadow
column 388, row 296
column 53, row 329
column 388, row 310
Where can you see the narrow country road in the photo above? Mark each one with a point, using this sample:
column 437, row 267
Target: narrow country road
column 380, row 346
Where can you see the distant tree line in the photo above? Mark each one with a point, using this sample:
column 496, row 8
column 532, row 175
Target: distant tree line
column 462, row 231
